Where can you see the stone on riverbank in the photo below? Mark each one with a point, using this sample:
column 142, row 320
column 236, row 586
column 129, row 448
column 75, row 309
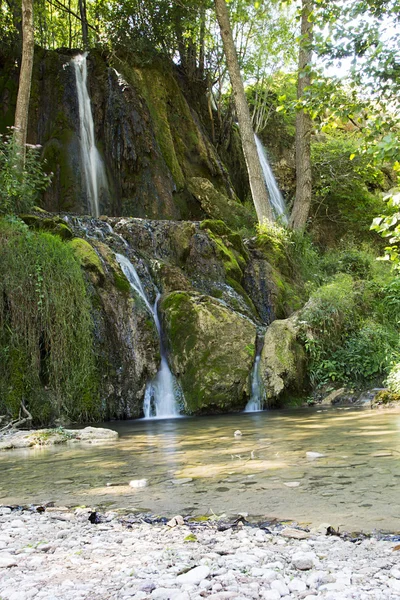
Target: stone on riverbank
column 50, row 437
column 47, row 555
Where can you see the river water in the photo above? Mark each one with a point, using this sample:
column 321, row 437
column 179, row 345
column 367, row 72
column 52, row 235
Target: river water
column 197, row 466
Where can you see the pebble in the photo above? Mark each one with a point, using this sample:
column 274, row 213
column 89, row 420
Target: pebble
column 45, row 558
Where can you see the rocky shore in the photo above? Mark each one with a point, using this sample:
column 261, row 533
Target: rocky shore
column 61, row 554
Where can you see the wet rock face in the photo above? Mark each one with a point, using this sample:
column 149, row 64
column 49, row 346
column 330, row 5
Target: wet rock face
column 151, row 141
column 211, row 351
column 259, row 283
column 126, row 341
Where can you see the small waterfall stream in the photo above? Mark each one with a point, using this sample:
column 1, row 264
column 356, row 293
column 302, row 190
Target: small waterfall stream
column 160, row 400
column 275, row 196
column 92, row 164
column 257, row 396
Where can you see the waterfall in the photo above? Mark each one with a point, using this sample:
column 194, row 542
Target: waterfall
column 92, row 164
column 257, row 397
column 160, row 399
column 275, row 197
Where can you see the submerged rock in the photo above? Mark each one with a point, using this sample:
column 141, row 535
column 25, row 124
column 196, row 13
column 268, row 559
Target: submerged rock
column 211, row 351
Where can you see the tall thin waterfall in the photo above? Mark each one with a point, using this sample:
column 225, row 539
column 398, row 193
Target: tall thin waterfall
column 257, row 397
column 161, row 393
column 276, row 198
column 92, row 164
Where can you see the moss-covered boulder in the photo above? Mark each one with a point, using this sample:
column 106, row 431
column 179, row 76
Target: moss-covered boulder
column 88, row 259
column 45, row 222
column 217, row 205
column 283, row 361
column 211, row 351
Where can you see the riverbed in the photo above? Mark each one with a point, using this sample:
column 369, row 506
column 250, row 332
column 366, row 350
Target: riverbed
column 198, row 466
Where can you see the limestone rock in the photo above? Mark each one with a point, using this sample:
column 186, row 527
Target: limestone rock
column 194, row 576
column 282, row 363
column 178, row 520
column 91, row 434
column 7, row 560
column 211, row 351
column 303, row 561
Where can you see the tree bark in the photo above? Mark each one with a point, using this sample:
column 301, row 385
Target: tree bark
column 25, row 79
column 302, row 203
column 84, row 22
column 257, row 183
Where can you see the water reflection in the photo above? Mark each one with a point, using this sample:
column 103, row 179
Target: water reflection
column 198, row 463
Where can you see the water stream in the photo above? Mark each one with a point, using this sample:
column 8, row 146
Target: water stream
column 162, row 393
column 197, row 465
column 276, row 199
column 93, row 167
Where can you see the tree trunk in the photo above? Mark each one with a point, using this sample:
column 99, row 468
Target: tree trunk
column 84, row 21
column 25, row 78
column 257, row 183
column 301, row 207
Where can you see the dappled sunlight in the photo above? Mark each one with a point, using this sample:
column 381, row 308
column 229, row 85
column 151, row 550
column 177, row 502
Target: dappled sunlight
column 199, row 463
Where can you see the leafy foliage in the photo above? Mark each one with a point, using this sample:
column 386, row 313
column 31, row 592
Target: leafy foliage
column 20, row 188
column 349, row 331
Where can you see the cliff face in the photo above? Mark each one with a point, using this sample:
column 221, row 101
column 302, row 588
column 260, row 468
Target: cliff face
column 151, row 141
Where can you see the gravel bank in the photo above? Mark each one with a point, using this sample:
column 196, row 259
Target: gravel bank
column 60, row 555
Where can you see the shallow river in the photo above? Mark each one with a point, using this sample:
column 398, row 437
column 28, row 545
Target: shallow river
column 196, row 466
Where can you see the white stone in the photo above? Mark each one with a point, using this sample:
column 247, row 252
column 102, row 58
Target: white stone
column 138, row 483
column 314, row 455
column 7, row 560
column 164, row 593
column 297, row 585
column 395, row 572
column 280, row 587
column 178, row 520
column 394, row 584
column 270, row 595
column 194, row 575
column 303, row 561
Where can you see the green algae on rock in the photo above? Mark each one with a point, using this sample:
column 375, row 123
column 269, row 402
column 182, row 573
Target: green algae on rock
column 211, row 351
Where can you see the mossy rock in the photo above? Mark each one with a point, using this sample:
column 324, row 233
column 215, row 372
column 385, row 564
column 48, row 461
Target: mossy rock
column 119, row 279
column 169, row 278
column 218, row 206
column 211, row 351
column 283, row 361
column 229, row 246
column 53, row 225
column 88, row 259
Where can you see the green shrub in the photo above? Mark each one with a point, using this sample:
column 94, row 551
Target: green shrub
column 46, row 329
column 348, row 331
column 20, row 189
column 393, row 380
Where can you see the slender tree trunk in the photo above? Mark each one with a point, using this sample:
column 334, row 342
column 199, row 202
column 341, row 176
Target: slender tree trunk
column 202, row 40
column 84, row 21
column 257, row 184
column 302, row 203
column 25, row 79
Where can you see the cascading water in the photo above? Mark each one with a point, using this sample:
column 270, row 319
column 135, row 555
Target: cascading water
column 92, row 164
column 276, row 198
column 257, row 397
column 160, row 400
